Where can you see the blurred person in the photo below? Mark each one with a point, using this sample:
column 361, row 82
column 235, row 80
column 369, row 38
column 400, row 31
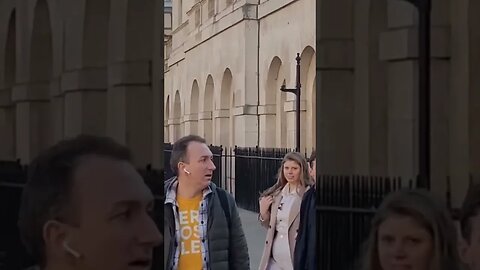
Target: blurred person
column 305, row 257
column 280, row 212
column 411, row 230
column 85, row 207
column 203, row 229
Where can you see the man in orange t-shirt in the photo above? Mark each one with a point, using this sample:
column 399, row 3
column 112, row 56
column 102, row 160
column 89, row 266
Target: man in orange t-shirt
column 202, row 223
column 190, row 245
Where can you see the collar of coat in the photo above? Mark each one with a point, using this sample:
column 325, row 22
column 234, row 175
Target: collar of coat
column 170, row 189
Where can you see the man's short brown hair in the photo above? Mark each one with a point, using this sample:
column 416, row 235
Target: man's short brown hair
column 179, row 150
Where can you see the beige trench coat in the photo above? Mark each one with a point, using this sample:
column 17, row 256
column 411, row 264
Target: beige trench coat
column 270, row 224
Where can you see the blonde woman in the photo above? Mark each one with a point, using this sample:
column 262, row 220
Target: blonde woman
column 411, row 230
column 280, row 212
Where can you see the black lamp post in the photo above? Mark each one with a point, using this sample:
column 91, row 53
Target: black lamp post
column 296, row 91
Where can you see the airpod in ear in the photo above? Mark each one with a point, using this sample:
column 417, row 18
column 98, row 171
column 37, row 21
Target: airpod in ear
column 185, row 170
column 70, row 250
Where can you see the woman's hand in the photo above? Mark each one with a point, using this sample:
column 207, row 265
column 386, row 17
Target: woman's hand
column 265, row 203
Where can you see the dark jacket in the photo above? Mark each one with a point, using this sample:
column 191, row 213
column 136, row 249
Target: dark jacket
column 227, row 248
column 305, row 257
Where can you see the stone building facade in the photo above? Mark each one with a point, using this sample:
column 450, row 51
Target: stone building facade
column 225, row 63
column 70, row 67
column 367, row 76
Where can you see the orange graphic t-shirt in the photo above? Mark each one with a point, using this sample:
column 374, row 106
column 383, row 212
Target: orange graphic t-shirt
column 190, row 245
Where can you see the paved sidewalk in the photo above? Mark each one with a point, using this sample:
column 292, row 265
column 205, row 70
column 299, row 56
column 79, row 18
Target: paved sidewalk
column 255, row 234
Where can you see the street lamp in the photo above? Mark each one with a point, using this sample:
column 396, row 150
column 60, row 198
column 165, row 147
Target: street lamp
column 295, row 91
column 423, row 8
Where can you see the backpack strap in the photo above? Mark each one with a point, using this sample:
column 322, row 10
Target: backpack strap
column 222, row 195
column 223, row 201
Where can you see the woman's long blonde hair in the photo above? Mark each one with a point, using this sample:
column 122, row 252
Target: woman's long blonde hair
column 305, row 179
column 428, row 212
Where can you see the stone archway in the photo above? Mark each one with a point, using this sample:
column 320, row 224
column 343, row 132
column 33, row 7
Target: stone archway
column 194, row 100
column 223, row 117
column 307, row 76
column 273, row 116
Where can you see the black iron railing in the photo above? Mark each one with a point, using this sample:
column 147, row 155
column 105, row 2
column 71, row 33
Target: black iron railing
column 345, row 207
column 256, row 169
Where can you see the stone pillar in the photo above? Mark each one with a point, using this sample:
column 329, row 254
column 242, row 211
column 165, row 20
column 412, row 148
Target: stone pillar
column 175, row 132
column 205, row 128
column 399, row 47
column 268, row 121
column 222, row 127
column 370, row 109
column 171, row 130
column 335, row 77
column 7, row 125
column 57, row 111
column 32, row 119
column 245, row 122
column 129, row 117
column 85, row 93
column 191, row 124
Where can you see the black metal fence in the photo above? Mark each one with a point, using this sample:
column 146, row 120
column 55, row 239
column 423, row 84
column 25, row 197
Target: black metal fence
column 242, row 171
column 345, row 208
column 256, row 169
column 13, row 255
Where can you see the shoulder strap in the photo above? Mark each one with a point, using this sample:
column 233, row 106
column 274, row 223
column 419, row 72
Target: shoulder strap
column 223, row 201
column 222, row 195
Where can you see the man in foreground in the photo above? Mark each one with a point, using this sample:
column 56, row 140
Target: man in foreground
column 86, row 207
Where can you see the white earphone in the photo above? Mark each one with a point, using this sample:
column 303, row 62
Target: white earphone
column 70, row 250
column 185, row 170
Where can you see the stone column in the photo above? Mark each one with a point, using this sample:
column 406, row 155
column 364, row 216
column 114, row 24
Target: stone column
column 7, row 125
column 205, row 128
column 222, row 127
column 85, row 92
column 129, row 117
column 335, row 85
column 32, row 119
column 268, row 119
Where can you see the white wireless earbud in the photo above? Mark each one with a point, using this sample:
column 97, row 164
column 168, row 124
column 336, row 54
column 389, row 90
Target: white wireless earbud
column 185, row 170
column 70, row 250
